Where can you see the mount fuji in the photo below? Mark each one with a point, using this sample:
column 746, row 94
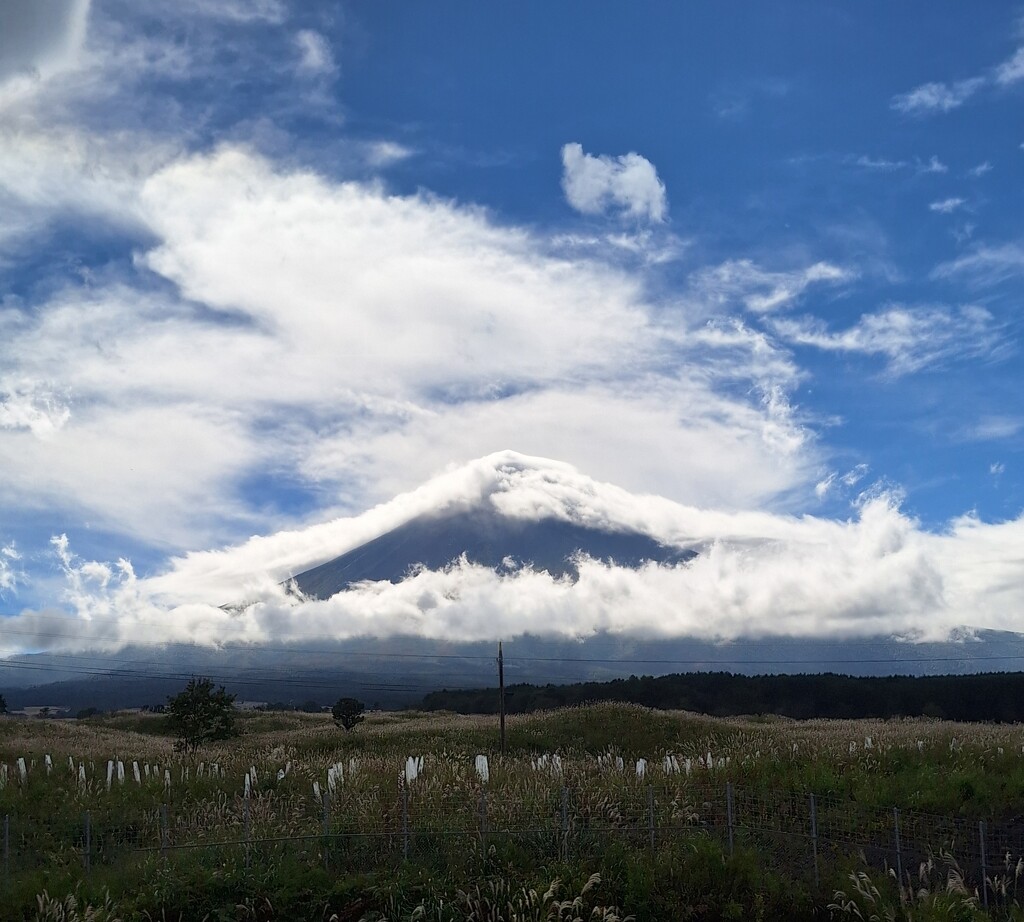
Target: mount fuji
column 581, row 579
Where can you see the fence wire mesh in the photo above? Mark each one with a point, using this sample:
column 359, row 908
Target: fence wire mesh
column 363, row 828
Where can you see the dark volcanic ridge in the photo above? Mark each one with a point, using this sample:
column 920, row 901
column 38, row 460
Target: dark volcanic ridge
column 487, row 538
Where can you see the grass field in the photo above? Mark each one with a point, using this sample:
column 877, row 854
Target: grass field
column 436, row 847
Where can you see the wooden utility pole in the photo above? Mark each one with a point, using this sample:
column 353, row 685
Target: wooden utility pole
column 501, row 696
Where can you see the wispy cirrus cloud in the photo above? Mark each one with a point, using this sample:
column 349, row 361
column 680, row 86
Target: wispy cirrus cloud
column 887, row 165
column 987, row 265
column 947, row 205
column 937, row 97
column 760, row 290
column 910, row 338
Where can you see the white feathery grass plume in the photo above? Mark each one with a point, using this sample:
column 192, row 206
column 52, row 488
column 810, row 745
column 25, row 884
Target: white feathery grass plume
column 71, row 765
column 135, row 772
column 316, row 792
column 641, row 768
column 147, row 771
column 167, row 779
column 482, row 768
column 248, row 786
column 81, row 776
column 412, row 769
column 22, row 770
column 48, row 763
column 120, row 772
column 3, row 775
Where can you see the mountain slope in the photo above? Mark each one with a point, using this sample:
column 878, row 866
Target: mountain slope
column 485, row 537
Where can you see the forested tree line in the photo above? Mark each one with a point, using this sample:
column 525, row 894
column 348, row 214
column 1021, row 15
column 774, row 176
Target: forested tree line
column 997, row 696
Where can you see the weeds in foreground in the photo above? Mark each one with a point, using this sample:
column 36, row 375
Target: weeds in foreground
column 938, row 893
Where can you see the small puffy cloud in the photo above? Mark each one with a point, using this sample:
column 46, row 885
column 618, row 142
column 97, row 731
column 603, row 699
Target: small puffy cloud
column 628, row 184
column 385, row 153
column 937, row 97
column 997, row 468
column 761, row 290
column 1011, row 70
column 934, row 165
column 980, row 170
column 910, row 338
column 947, row 205
column 315, row 55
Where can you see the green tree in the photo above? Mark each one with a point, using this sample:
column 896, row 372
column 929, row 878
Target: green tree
column 3, row 705
column 199, row 715
column 348, row 712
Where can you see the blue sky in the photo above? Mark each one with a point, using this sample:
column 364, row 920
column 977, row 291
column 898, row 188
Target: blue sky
column 267, row 264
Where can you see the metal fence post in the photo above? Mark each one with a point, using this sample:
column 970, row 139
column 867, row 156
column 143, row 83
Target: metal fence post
column 984, row 864
column 729, row 813
column 405, row 822
column 87, row 859
column 245, row 821
column 327, row 827
column 165, row 833
column 899, row 845
column 650, row 813
column 814, row 840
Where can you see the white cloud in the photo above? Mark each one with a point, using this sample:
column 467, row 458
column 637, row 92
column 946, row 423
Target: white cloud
column 404, row 332
column 834, row 479
column 992, row 427
column 934, row 165
column 628, row 183
column 385, row 153
column 988, row 265
column 937, row 97
column 28, row 406
column 9, row 574
column 273, row 12
column 910, row 338
column 756, row 575
column 760, row 290
column 981, row 169
column 315, row 55
column 997, row 468
column 947, row 205
column 880, row 163
column 1011, row 70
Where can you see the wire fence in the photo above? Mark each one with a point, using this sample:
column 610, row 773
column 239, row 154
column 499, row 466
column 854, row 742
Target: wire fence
column 799, row 834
